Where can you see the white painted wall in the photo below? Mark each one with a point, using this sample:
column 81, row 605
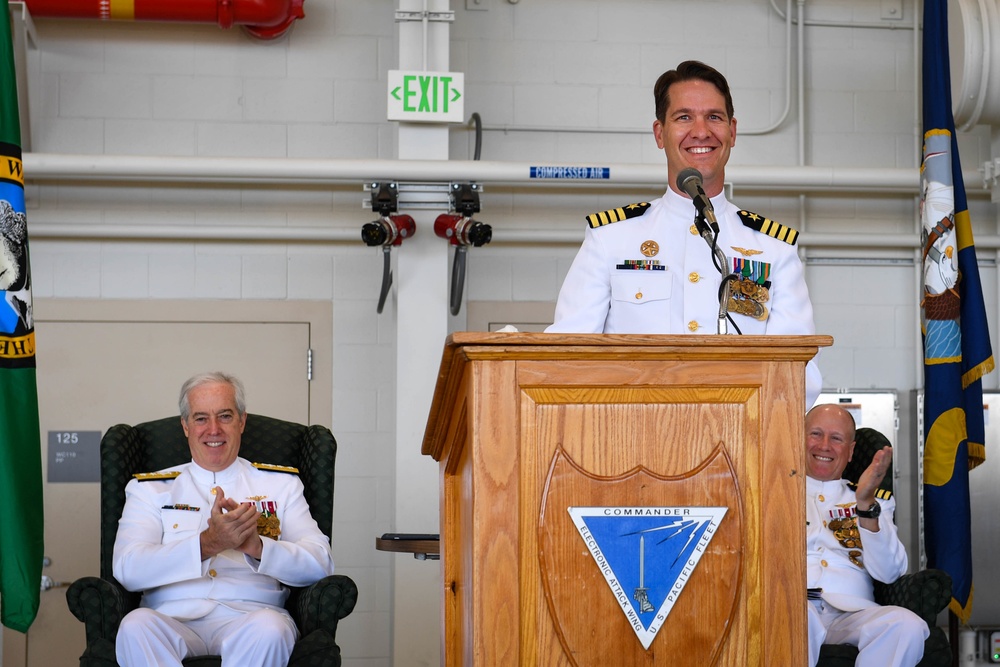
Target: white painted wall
column 582, row 68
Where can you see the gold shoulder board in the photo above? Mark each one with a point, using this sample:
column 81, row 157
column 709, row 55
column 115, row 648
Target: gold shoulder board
column 150, row 476
column 883, row 494
column 596, row 220
column 276, row 468
column 765, row 226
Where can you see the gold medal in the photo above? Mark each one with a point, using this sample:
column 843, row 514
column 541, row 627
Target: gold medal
column 748, row 307
column 649, row 248
column 269, row 526
column 752, row 290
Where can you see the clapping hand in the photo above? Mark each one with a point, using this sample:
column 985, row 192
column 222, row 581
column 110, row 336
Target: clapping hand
column 231, row 526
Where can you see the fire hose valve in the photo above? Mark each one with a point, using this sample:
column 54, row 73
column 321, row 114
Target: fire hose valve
column 389, row 230
column 462, row 231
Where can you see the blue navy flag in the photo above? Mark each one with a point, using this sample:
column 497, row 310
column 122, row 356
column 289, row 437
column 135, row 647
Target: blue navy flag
column 957, row 351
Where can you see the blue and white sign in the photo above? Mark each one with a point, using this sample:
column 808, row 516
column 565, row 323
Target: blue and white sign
column 572, row 173
column 647, row 555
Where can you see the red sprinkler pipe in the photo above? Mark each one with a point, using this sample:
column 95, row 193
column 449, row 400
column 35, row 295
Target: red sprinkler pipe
column 264, row 19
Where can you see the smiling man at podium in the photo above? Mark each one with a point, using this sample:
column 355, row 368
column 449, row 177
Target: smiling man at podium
column 642, row 268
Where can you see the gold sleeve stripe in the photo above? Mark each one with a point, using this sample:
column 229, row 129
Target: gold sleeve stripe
column 150, row 476
column 780, row 232
column 596, row 220
column 276, row 468
column 769, row 227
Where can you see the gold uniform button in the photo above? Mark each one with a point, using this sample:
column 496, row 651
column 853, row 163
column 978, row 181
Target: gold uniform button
column 212, row 573
column 822, row 499
column 175, row 526
column 824, row 563
column 693, row 325
column 694, row 230
column 638, row 295
column 694, row 277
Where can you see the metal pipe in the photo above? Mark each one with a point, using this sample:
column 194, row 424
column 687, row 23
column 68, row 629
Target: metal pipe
column 844, row 24
column 801, row 80
column 264, row 19
column 788, row 81
column 84, row 231
column 38, row 229
column 44, row 167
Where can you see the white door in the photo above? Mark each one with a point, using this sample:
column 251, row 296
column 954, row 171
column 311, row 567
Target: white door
column 94, row 374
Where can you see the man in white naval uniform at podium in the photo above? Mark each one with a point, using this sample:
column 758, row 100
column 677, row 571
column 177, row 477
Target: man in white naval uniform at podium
column 213, row 581
column 850, row 540
column 645, row 268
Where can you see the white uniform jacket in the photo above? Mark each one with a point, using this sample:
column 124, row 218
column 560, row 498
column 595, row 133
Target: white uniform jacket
column 157, row 548
column 621, row 283
column 833, row 537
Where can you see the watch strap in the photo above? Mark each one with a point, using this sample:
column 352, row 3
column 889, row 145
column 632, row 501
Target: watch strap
column 872, row 512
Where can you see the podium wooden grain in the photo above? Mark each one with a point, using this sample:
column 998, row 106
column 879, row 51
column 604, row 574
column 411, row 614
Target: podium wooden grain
column 523, row 424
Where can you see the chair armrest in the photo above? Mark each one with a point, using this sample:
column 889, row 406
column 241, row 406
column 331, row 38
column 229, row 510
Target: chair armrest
column 322, row 605
column 100, row 604
column 925, row 593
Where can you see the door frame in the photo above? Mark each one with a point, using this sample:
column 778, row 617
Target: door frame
column 318, row 314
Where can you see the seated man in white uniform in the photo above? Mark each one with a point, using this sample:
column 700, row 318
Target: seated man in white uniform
column 213, row 583
column 850, row 540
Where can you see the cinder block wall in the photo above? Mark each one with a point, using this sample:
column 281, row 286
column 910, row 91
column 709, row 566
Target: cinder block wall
column 584, row 69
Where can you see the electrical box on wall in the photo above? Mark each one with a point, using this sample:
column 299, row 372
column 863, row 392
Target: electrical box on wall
column 874, row 409
column 984, row 498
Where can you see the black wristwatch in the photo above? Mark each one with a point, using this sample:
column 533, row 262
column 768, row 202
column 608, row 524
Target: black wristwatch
column 872, row 512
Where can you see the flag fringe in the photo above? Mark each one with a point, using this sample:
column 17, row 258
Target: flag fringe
column 963, row 613
column 941, row 360
column 977, row 372
column 977, row 453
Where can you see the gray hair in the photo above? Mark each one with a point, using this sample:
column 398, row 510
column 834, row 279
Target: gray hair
column 211, row 378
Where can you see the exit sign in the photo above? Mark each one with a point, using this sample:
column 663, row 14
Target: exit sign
column 437, row 97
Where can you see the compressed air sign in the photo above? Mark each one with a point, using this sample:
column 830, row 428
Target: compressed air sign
column 433, row 97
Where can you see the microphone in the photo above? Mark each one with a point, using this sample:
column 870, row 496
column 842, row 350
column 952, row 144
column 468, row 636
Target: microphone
column 689, row 181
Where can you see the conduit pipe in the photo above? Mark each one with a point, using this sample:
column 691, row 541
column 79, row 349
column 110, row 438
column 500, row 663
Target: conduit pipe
column 42, row 167
column 263, row 19
column 196, row 234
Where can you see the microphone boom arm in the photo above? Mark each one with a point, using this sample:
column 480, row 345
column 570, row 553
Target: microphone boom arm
column 721, row 263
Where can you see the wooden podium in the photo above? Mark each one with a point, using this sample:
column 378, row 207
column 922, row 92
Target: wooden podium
column 622, row 499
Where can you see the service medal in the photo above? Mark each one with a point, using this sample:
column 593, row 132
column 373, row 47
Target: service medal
column 753, row 291
column 268, row 524
column 747, row 307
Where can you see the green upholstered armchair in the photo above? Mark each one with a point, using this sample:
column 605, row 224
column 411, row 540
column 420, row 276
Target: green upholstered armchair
column 102, row 602
column 925, row 593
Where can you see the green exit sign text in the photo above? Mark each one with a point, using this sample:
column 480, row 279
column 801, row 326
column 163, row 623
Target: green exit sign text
column 437, row 97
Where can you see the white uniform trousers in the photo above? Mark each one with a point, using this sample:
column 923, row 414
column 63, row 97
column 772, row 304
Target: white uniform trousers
column 260, row 638
column 885, row 636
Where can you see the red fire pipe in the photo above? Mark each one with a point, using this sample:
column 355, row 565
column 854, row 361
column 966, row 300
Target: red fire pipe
column 264, row 19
